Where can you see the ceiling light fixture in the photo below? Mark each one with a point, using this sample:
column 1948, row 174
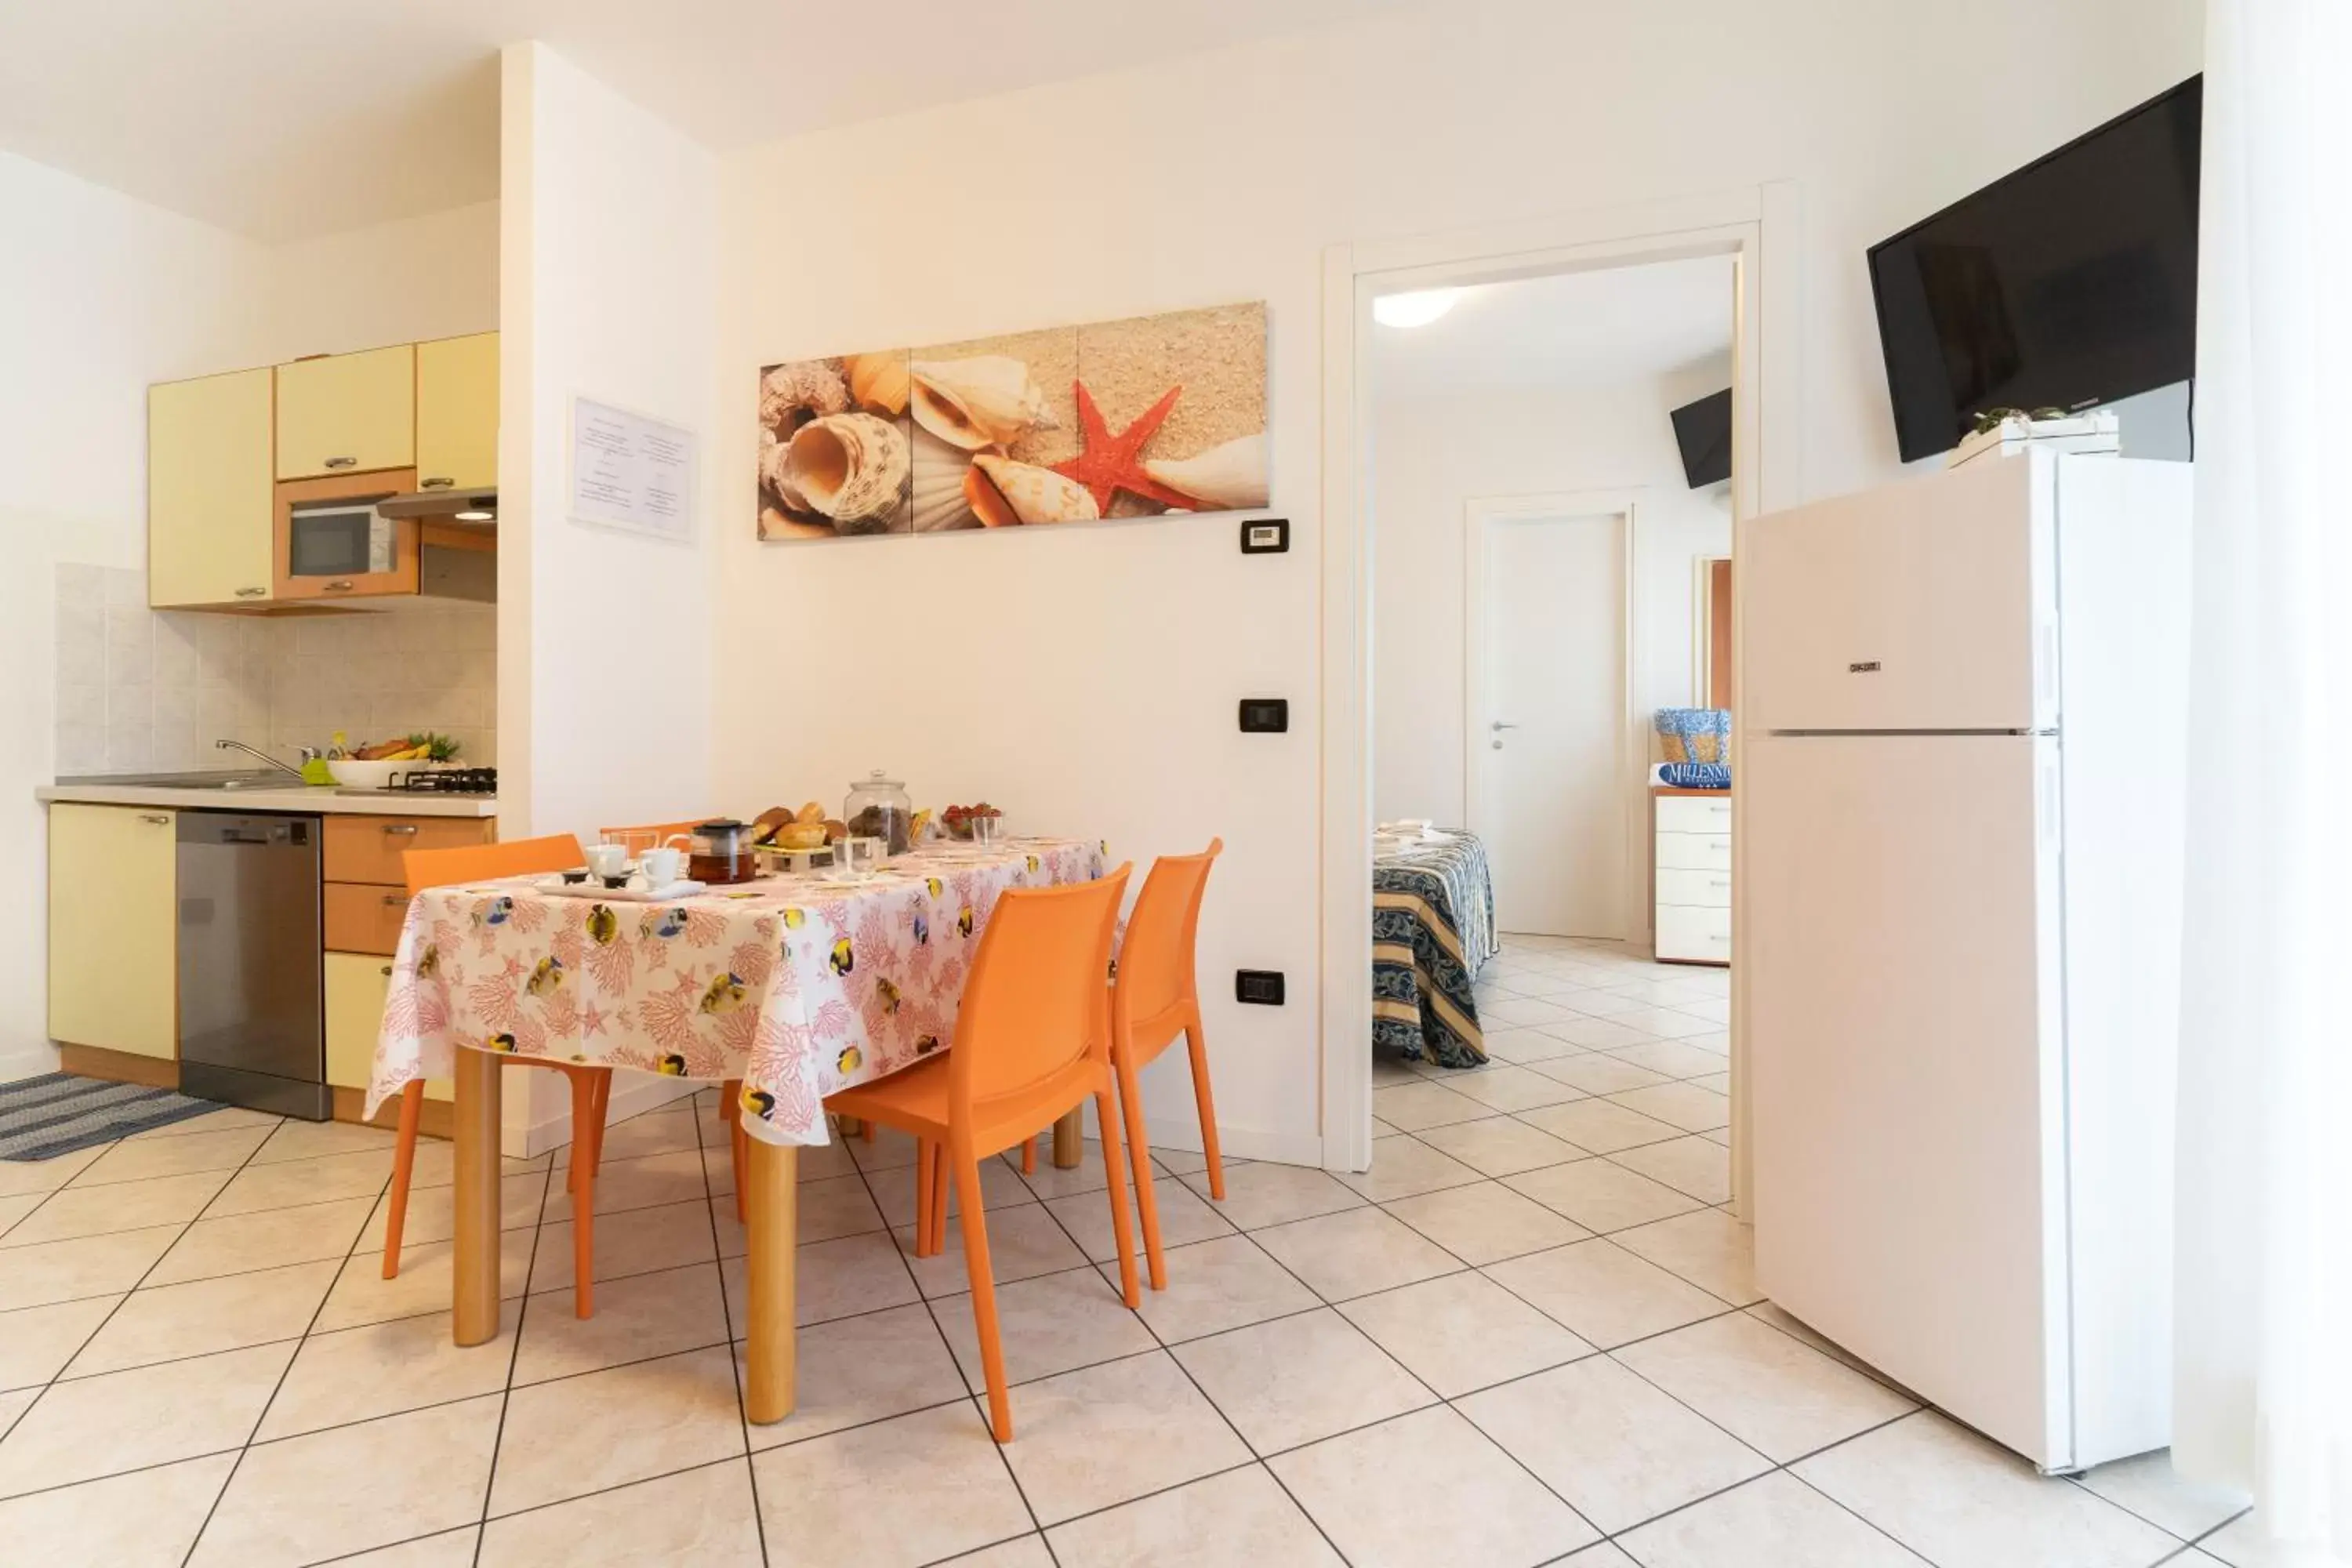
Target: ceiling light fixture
column 1417, row 308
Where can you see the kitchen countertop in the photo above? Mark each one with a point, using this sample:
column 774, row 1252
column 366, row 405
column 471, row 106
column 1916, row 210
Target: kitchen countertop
column 264, row 797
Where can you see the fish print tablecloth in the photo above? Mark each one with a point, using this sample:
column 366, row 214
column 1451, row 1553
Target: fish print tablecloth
column 798, row 986
column 1432, row 931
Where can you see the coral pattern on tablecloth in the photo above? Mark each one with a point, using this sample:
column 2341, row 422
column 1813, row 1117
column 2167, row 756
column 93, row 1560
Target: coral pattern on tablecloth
column 798, row 986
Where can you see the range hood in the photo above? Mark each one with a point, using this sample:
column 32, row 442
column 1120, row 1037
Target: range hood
column 449, row 504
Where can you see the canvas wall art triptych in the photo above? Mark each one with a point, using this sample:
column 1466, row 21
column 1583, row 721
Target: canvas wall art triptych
column 1138, row 417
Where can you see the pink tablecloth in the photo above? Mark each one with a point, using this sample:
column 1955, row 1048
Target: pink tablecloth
column 797, row 986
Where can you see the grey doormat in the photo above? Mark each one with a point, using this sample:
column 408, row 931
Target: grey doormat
column 56, row 1113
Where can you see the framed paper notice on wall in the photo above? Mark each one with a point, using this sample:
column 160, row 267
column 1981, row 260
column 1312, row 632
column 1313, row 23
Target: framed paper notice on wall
column 632, row 472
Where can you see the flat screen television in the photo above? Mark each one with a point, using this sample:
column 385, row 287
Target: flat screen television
column 2071, row 283
column 1703, row 431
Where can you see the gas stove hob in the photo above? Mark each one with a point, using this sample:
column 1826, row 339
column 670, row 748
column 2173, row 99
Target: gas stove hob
column 437, row 781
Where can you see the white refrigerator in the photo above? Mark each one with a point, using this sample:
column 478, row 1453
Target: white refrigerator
column 1963, row 729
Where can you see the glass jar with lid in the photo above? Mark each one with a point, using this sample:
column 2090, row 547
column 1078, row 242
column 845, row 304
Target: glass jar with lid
column 879, row 807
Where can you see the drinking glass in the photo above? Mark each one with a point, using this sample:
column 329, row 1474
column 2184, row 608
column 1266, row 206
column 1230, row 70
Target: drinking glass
column 858, row 858
column 983, row 830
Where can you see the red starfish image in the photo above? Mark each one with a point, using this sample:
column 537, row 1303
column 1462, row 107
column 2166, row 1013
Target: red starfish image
column 1112, row 462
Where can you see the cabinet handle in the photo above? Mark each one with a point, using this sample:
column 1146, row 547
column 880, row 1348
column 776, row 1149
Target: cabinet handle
column 437, row 483
column 342, row 462
column 158, row 818
column 1719, row 883
column 406, row 828
column 394, row 901
column 385, row 972
column 340, row 585
column 252, row 593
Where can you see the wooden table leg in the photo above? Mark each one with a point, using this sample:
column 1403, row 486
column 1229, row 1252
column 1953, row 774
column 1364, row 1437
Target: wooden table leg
column 1069, row 1141
column 772, row 1175
column 475, row 1117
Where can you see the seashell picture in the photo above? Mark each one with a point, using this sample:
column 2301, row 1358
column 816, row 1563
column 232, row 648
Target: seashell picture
column 1138, row 417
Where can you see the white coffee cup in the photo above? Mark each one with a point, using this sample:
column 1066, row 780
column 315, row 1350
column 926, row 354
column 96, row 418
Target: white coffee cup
column 661, row 867
column 607, row 860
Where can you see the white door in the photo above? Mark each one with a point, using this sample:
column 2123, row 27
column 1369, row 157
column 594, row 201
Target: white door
column 1547, row 742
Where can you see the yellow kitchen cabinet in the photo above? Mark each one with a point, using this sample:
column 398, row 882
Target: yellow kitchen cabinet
column 356, row 987
column 457, row 413
column 113, row 928
column 345, row 414
column 209, row 498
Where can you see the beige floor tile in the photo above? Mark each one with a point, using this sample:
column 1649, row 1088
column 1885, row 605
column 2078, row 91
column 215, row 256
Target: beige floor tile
column 142, row 1159
column 19, row 1177
column 146, row 1520
column 647, row 1182
column 837, row 1279
column 17, row 1208
column 706, row 1518
column 1601, row 1554
column 841, row 1206
column 889, row 1151
column 635, row 1241
column 1262, row 1194
column 2149, row 1486
column 1675, row 1058
column 1404, row 1167
column 270, row 1239
column 1410, row 1106
column 437, row 1164
column 1600, row 1195
column 1960, row 1502
column 362, row 1295
column 1513, row 1089
column 1602, row 1293
column 643, row 1315
column 35, row 1342
column 1486, row 1222
column 1047, row 1325
column 1501, row 1146
column 900, row 1492
column 1667, row 1023
column 1706, row 1246
column 579, row 1434
column 1775, row 1519
column 1243, row 1516
column 165, row 1322
column 1050, row 1181
column 1466, row 1501
column 97, row 1427
column 1299, row 1379
column 1214, row 1286
column 221, row 1120
column 1087, row 1439
column 1599, row 1125
column 1699, row 1166
column 1464, row 1332
column 663, row 1131
column 1026, row 1552
column 1616, row 1448
column 2235, row 1543
column 78, row 1211
column 311, row 1140
column 1523, row 1011
column 382, row 1369
column 856, row 1370
column 351, row 1489
column 1187, row 1161
column 1185, row 1218
column 1354, row 1253
column 88, row 1266
column 1594, row 1032
column 449, row 1549
column 1596, row 1072
column 1683, row 1105
column 433, row 1211
column 290, row 1183
column 818, row 1163
column 1773, row 1316
column 1526, row 1047
column 1778, row 1397
column 1022, row 1243
column 1000, row 1184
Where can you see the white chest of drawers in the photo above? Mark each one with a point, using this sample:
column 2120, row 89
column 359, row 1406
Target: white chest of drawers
column 1692, row 876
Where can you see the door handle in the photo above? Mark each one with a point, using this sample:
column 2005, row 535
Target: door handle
column 1502, row 724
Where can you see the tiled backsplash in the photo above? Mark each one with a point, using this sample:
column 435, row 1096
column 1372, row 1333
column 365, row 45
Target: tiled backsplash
column 143, row 690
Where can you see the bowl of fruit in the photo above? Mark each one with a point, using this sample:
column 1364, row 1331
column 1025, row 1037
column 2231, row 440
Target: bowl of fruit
column 972, row 824
column 372, row 766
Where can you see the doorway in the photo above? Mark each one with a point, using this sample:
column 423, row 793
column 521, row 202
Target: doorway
column 1546, row 623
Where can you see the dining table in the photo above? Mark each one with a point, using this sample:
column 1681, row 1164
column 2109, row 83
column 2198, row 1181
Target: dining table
column 798, row 984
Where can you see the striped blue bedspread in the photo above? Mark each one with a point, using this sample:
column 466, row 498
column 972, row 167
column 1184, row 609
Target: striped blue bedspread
column 1432, row 931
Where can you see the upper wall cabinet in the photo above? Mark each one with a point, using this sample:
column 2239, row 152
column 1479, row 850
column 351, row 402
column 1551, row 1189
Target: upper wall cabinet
column 347, row 413
column 210, row 507
column 457, row 413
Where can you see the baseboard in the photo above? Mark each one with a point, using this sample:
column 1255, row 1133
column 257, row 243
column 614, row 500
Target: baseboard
column 31, row 1062
column 118, row 1066
column 633, row 1093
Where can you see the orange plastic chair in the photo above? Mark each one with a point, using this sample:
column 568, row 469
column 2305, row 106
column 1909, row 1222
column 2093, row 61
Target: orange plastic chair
column 1031, row 1042
column 1153, row 1001
column 592, row 1087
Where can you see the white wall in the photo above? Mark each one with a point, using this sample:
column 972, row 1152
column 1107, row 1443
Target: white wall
column 405, row 281
column 1085, row 678
column 1431, row 457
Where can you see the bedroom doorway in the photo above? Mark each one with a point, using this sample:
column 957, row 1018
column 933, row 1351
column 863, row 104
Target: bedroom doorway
column 1547, row 619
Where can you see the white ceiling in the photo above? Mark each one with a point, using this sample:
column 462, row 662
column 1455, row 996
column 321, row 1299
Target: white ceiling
column 1568, row 331
column 280, row 119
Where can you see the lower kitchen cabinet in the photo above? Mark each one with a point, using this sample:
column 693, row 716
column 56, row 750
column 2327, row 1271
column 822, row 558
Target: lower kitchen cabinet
column 356, row 983
column 114, row 928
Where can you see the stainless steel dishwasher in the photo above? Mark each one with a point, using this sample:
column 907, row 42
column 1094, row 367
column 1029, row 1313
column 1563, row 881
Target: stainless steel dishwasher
column 252, row 1012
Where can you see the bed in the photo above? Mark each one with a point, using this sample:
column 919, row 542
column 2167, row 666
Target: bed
column 1432, row 931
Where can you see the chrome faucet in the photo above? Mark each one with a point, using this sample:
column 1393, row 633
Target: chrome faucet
column 265, row 756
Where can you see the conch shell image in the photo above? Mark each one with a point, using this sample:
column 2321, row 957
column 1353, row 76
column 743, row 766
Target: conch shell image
column 850, row 467
column 1032, row 494
column 773, row 469
column 940, row 474
column 879, row 383
column 1223, row 479
column 989, row 400
column 802, row 390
